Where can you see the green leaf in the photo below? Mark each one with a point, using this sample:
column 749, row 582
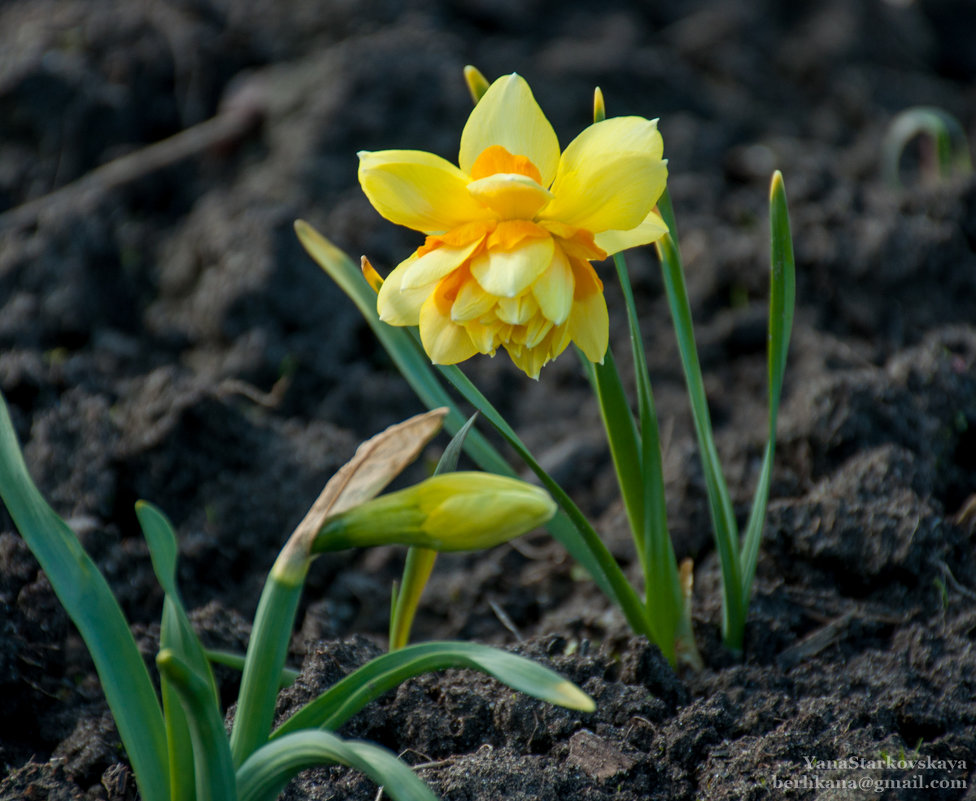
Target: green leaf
column 662, row 586
column 724, row 526
column 236, row 662
column 178, row 637
column 452, row 453
column 344, row 699
column 945, row 132
column 782, row 302
column 213, row 768
column 266, row 654
column 88, row 600
column 267, row 770
column 624, row 440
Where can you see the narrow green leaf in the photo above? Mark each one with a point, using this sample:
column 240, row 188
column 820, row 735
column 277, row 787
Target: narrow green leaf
column 452, row 453
column 213, row 768
column 624, row 441
column 267, row 770
column 724, row 526
column 88, row 600
column 944, row 131
column 414, row 367
column 662, row 585
column 182, row 774
column 236, row 662
column 344, row 699
column 584, row 545
column 266, row 654
column 178, row 637
column 782, row 302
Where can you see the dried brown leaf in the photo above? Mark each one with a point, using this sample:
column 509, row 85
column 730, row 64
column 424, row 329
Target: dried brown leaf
column 375, row 464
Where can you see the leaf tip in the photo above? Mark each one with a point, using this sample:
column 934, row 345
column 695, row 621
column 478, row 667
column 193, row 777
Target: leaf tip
column 570, row 696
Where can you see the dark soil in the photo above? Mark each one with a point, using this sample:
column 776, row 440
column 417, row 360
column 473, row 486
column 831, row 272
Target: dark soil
column 142, row 320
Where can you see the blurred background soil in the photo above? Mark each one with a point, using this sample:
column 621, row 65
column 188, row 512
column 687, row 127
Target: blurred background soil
column 163, row 336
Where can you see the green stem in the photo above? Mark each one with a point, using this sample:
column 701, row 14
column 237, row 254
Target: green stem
column 266, row 654
column 416, row 573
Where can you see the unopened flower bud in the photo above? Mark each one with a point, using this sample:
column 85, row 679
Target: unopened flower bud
column 460, row 511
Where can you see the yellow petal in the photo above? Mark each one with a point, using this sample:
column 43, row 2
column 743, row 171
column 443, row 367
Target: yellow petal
column 397, row 306
column 589, row 323
column 372, row 277
column 508, row 273
column 445, row 341
column 553, row 290
column 609, row 177
column 483, row 336
column 471, row 302
column 536, row 330
column 435, row 264
column 508, row 115
column 652, row 229
column 510, row 195
column 517, row 311
column 529, row 360
column 417, row 189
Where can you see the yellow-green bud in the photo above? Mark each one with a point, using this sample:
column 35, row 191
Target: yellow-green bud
column 461, row 511
column 477, row 83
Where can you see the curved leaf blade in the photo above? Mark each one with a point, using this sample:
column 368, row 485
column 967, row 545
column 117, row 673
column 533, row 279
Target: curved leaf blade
column 344, row 699
column 782, row 304
column 268, row 769
column 178, row 637
column 88, row 600
column 213, row 768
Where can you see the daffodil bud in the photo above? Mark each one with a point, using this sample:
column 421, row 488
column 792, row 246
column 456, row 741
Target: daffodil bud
column 460, row 511
column 477, row 83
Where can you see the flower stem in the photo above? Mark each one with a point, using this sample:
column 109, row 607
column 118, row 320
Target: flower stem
column 416, row 573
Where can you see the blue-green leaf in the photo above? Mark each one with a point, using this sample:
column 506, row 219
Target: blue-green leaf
column 88, row 600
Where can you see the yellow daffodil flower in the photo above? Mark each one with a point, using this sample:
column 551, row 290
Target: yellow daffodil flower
column 512, row 230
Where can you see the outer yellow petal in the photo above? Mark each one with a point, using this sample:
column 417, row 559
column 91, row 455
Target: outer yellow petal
column 589, row 326
column 435, row 264
column 419, row 190
column 508, row 115
column 508, row 273
column 589, row 323
column 397, row 306
column 652, row 229
column 609, row 177
column 445, row 341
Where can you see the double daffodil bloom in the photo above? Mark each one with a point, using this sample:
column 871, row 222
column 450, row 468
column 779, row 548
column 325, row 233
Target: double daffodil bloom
column 512, row 230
